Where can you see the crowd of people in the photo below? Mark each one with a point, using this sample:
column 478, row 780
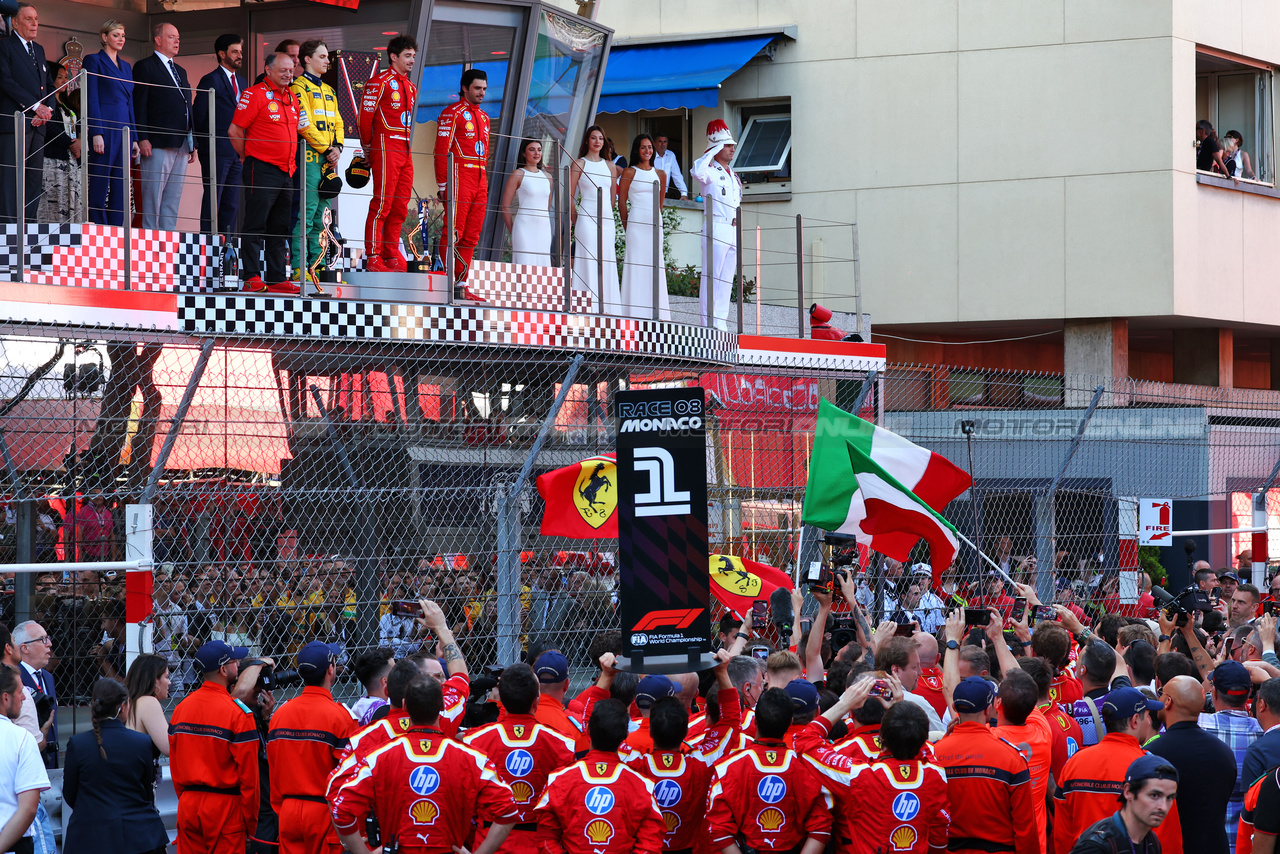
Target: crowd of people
column 921, row 727
column 1223, row 156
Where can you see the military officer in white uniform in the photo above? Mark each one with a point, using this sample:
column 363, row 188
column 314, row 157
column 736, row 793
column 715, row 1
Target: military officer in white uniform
column 724, row 191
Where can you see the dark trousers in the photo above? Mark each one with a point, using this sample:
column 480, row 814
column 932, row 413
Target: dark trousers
column 9, row 174
column 267, row 200
column 229, row 178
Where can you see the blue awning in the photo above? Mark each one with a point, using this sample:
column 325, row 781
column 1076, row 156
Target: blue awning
column 673, row 75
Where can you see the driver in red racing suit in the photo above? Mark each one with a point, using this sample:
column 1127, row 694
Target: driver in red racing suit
column 464, row 130
column 386, row 120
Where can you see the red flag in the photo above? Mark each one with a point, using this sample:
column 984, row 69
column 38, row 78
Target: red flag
column 582, row 499
column 737, row 582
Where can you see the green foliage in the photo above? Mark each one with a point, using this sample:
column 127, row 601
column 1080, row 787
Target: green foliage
column 1149, row 562
column 686, row 281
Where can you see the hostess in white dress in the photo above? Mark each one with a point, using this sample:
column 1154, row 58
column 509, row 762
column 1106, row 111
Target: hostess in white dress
column 637, row 263
column 531, row 226
column 586, row 266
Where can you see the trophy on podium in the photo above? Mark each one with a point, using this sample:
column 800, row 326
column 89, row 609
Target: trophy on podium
column 420, row 236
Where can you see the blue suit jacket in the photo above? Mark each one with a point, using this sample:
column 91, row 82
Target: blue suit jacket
column 110, row 96
column 113, row 798
column 162, row 109
column 224, row 104
column 25, row 82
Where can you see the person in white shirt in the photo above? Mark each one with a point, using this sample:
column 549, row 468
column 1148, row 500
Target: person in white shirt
column 665, row 159
column 22, row 773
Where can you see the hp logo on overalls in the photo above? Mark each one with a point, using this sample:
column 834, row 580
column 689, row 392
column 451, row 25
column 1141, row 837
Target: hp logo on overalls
column 906, row 806
column 424, row 780
column 667, row 793
column 519, row 763
column 599, row 800
column 772, row 789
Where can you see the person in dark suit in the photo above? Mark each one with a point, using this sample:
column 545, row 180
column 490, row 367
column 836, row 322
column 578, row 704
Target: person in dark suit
column 26, row 90
column 36, row 648
column 162, row 104
column 227, row 83
column 110, row 112
column 109, row 782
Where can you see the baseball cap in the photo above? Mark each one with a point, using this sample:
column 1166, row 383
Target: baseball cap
column 316, row 656
column 973, row 694
column 1231, row 677
column 1229, row 574
column 1150, row 767
column 1127, row 702
column 552, row 667
column 652, row 689
column 216, row 653
column 921, row 569
column 804, row 696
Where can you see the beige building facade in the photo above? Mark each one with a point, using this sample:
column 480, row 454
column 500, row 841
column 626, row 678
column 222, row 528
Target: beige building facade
column 1015, row 167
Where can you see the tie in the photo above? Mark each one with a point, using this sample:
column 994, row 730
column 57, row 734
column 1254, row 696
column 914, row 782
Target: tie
column 31, row 51
column 235, row 84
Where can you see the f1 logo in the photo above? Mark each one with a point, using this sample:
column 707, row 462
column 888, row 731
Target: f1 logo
column 679, row 618
column 662, row 499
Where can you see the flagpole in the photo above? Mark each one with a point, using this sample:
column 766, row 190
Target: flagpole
column 982, row 555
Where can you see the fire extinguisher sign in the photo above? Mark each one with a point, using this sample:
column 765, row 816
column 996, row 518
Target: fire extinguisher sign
column 1155, row 521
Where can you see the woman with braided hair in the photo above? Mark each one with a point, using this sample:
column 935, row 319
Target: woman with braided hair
column 108, row 780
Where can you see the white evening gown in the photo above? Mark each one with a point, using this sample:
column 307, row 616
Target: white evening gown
column 586, row 265
column 531, row 227
column 637, row 264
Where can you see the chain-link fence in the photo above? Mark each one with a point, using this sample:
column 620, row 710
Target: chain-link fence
column 316, row 488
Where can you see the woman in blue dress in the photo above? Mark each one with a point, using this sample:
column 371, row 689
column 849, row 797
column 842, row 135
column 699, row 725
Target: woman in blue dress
column 110, row 110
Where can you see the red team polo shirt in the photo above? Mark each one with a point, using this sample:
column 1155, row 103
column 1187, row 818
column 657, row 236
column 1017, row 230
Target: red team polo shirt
column 269, row 118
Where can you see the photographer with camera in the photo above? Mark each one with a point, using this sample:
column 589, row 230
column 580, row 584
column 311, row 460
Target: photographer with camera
column 304, row 743
column 213, row 755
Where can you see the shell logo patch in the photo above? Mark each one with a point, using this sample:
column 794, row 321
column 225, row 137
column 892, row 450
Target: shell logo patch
column 424, row 812
column 395, row 97
column 671, row 821
column 903, row 837
column 771, row 819
column 521, row 792
column 272, row 106
column 599, row 831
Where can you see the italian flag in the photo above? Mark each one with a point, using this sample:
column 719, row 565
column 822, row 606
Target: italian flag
column 876, row 486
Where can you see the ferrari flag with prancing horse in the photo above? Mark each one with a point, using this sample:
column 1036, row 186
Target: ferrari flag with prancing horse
column 582, row 499
column 737, row 582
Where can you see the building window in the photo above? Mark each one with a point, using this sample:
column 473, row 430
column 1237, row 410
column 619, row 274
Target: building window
column 1234, row 94
column 764, row 147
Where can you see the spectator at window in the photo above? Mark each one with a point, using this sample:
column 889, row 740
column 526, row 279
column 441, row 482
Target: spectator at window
column 665, row 159
column 1209, row 156
column 1237, row 159
column 148, row 683
column 22, row 774
column 109, row 782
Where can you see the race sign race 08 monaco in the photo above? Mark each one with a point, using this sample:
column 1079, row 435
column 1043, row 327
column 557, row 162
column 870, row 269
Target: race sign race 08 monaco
column 664, row 592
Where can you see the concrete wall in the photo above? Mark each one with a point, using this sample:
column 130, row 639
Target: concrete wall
column 1005, row 160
